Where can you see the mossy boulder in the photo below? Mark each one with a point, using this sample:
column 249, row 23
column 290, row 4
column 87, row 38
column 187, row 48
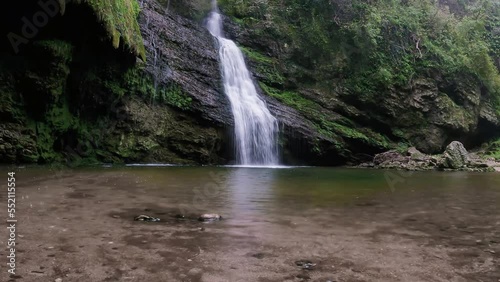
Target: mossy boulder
column 119, row 18
column 455, row 156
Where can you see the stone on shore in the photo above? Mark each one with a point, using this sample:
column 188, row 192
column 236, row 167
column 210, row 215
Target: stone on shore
column 455, row 156
column 209, row 217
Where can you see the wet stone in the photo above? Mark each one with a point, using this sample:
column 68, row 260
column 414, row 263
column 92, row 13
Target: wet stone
column 146, row 218
column 258, row 255
column 304, row 276
column 180, row 216
column 210, row 217
column 305, row 264
column 195, row 272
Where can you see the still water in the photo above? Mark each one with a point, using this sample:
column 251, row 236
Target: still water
column 354, row 225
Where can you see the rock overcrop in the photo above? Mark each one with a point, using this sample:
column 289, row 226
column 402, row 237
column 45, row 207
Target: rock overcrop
column 455, row 157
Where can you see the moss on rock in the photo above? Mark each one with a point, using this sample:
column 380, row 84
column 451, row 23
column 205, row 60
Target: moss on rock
column 119, row 18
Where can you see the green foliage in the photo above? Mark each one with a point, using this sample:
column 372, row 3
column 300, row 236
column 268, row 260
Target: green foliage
column 45, row 142
column 119, row 17
column 373, row 46
column 136, row 82
column 325, row 126
column 174, row 96
column 493, row 150
column 62, row 50
column 265, row 66
column 60, row 119
column 292, row 99
column 256, row 56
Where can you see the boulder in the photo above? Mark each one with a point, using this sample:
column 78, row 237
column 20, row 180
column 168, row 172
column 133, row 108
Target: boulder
column 416, row 155
column 209, row 217
column 455, row 156
column 146, row 218
column 390, row 156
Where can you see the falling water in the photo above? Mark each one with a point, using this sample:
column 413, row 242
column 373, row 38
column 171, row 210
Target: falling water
column 256, row 129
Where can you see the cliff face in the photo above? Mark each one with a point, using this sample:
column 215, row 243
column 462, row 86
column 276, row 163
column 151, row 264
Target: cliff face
column 75, row 92
column 374, row 77
column 80, row 91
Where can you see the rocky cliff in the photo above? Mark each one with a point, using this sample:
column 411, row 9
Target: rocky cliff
column 126, row 81
column 72, row 93
column 373, row 77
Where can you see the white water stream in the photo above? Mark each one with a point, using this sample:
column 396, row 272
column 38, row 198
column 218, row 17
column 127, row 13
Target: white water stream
column 256, row 130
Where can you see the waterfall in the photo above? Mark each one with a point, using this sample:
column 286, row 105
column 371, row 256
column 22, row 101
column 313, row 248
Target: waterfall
column 256, row 130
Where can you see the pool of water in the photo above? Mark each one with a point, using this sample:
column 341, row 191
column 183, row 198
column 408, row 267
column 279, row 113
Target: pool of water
column 355, row 225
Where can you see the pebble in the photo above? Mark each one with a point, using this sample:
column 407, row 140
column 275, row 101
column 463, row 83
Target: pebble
column 58, row 280
column 194, row 272
column 305, row 264
column 146, row 218
column 209, row 217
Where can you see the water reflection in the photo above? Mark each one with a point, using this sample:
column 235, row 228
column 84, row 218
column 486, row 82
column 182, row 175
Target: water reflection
column 250, row 189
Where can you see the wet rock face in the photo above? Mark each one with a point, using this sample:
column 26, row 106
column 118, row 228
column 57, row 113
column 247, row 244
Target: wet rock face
column 52, row 109
column 182, row 52
column 455, row 156
column 428, row 113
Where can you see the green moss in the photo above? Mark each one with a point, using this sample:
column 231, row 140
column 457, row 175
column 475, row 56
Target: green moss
column 493, row 150
column 139, row 83
column 256, row 56
column 60, row 49
column 325, row 126
column 45, row 143
column 9, row 107
column 292, row 99
column 48, row 69
column 364, row 135
column 173, row 95
column 119, row 17
column 266, row 66
column 60, row 119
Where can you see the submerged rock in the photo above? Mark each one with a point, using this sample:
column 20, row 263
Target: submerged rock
column 209, row 217
column 146, row 218
column 305, row 264
column 455, row 156
column 180, row 216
